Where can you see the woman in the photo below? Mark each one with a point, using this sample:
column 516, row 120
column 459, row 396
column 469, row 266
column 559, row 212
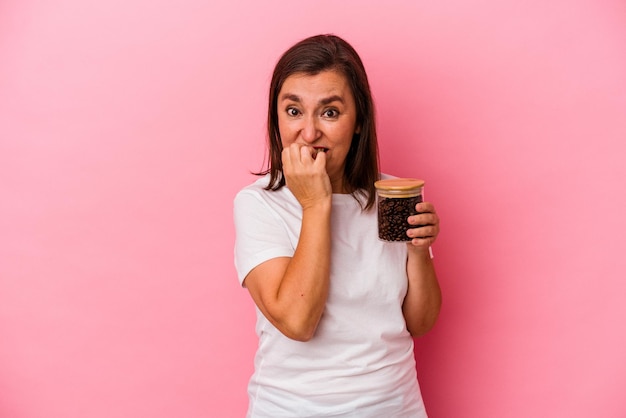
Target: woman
column 337, row 308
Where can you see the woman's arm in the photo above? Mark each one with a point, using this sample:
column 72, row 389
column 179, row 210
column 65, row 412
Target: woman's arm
column 291, row 291
column 423, row 300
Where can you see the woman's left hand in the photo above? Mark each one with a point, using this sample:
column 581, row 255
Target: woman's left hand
column 422, row 303
column 426, row 224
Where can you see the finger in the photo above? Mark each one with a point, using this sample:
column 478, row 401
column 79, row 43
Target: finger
column 291, row 155
column 425, row 207
column 430, row 231
column 284, row 156
column 422, row 242
column 306, row 153
column 287, row 158
column 427, row 218
column 320, row 159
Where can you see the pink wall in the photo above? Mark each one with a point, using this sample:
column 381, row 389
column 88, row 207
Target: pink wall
column 126, row 128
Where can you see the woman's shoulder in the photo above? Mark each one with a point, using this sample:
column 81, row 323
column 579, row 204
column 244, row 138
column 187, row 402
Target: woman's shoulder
column 258, row 190
column 258, row 185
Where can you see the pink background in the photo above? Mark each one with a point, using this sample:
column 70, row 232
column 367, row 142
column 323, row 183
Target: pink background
column 126, row 128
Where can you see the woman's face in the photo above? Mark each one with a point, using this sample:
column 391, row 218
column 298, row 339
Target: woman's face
column 319, row 111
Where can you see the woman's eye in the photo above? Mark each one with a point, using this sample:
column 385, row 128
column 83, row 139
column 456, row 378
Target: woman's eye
column 331, row 113
column 292, row 111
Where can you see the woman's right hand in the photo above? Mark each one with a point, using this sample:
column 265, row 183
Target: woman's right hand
column 291, row 292
column 306, row 176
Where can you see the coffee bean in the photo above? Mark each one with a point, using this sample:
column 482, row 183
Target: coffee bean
column 393, row 216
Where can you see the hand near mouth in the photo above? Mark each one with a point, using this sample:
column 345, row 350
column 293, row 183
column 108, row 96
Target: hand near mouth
column 305, row 173
column 317, row 150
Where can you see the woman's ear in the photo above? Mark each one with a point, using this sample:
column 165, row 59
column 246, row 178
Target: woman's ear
column 357, row 130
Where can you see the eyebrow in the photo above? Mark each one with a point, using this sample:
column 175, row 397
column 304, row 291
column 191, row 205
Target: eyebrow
column 324, row 101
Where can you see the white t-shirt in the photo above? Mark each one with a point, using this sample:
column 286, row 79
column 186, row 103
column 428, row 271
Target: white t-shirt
column 360, row 361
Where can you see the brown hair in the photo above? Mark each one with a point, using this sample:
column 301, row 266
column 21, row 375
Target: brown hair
column 312, row 56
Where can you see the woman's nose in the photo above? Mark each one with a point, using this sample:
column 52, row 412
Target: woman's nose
column 310, row 131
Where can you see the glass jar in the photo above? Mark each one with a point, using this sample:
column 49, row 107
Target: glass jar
column 396, row 202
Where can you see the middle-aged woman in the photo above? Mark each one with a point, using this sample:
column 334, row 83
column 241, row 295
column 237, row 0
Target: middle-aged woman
column 336, row 307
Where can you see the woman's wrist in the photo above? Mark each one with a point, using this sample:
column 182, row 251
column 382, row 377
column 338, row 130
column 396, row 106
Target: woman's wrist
column 418, row 251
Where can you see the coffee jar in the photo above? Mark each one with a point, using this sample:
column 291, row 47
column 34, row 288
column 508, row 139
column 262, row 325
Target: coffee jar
column 396, row 200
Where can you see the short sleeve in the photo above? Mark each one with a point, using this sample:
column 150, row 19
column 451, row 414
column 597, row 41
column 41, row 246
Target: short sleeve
column 260, row 234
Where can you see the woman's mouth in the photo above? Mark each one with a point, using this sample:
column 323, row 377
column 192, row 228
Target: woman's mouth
column 317, row 150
